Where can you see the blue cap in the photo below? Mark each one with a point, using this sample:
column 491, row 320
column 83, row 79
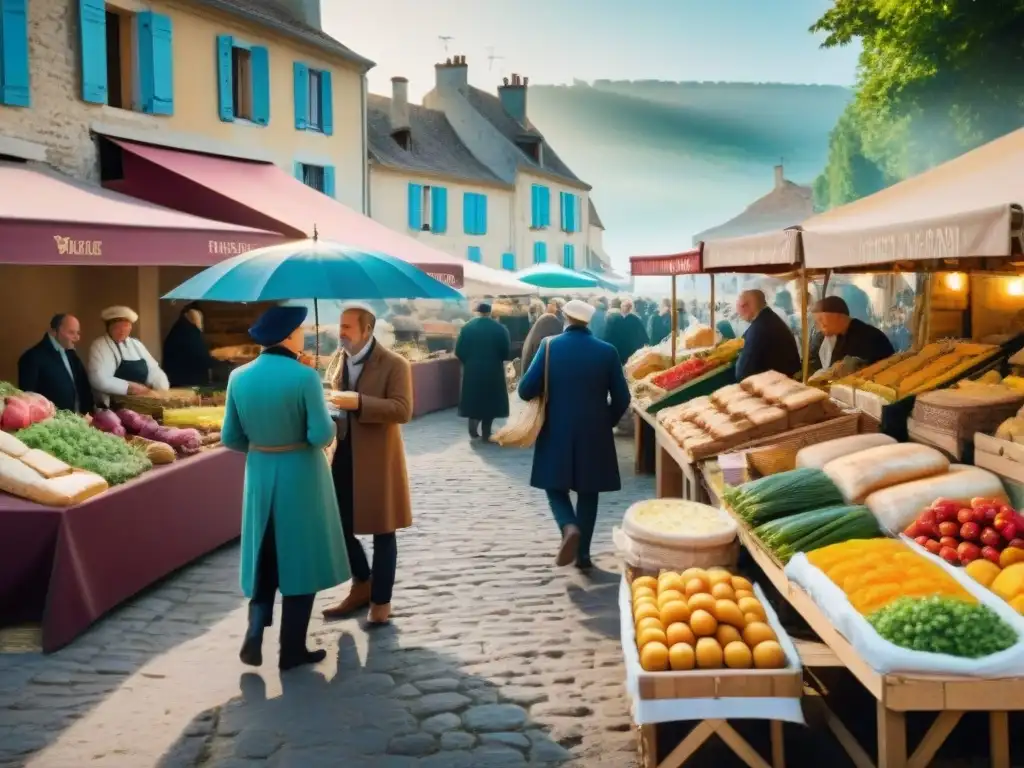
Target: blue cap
column 277, row 324
column 483, row 307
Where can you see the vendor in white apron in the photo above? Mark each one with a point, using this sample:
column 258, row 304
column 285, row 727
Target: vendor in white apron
column 120, row 364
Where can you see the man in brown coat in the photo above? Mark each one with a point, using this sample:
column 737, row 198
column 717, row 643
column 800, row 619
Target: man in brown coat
column 373, row 392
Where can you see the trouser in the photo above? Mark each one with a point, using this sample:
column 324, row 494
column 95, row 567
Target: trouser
column 295, row 609
column 474, row 426
column 584, row 517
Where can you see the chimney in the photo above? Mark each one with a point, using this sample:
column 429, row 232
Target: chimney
column 780, row 179
column 512, row 94
column 306, row 11
column 452, row 75
column 399, row 104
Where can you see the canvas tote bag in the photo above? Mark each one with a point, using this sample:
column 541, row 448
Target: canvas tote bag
column 523, row 432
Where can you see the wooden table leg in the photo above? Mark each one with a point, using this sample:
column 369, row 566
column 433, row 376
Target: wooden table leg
column 892, row 738
column 668, row 477
column 693, row 741
column 638, row 444
column 934, row 739
column 778, row 744
column 999, row 739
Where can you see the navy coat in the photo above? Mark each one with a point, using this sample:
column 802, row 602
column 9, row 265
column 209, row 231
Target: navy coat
column 482, row 348
column 41, row 370
column 768, row 345
column 575, row 450
column 627, row 334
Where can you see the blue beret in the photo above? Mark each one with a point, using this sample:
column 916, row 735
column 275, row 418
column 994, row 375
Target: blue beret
column 483, row 307
column 277, row 324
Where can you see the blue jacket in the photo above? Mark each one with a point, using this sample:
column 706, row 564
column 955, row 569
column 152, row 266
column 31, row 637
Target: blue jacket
column 768, row 345
column 575, row 450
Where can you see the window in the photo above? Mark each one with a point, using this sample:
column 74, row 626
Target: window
column 508, row 261
column 319, row 177
column 126, row 58
column 14, row 76
column 540, row 206
column 540, row 252
column 314, row 109
column 243, row 74
column 571, row 210
column 569, row 256
column 428, row 208
column 473, row 254
column 474, row 213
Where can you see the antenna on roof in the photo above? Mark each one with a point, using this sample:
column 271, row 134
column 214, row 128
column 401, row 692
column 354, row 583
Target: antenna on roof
column 491, row 58
column 445, row 39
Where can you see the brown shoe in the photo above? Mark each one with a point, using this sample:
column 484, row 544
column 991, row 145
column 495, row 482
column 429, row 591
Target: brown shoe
column 379, row 614
column 570, row 546
column 358, row 597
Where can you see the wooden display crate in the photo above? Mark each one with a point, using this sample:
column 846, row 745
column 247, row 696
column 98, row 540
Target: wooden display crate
column 1000, row 456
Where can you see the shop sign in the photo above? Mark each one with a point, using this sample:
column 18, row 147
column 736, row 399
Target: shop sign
column 67, row 246
column 228, row 247
column 686, row 263
column 445, row 277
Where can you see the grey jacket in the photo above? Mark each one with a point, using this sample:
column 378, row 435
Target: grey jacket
column 546, row 325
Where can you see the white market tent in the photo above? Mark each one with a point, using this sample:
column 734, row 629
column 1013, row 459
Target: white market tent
column 480, row 281
column 967, row 207
column 765, row 252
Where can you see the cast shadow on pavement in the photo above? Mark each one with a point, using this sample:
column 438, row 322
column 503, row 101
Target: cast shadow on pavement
column 400, row 708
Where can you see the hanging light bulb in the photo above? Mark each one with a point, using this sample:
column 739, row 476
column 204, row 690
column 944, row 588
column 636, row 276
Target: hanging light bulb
column 954, row 281
column 1015, row 287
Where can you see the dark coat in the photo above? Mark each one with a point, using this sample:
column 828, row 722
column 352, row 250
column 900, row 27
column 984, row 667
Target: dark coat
column 575, row 450
column 659, row 326
column 41, row 370
column 860, row 340
column 597, row 322
column 627, row 334
column 546, row 325
column 483, row 347
column 187, row 361
column 768, row 345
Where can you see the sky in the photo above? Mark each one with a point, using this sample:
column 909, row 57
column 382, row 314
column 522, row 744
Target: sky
column 555, row 41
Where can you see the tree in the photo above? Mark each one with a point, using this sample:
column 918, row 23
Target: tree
column 935, row 79
column 850, row 174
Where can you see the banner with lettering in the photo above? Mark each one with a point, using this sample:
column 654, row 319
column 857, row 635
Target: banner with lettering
column 686, row 263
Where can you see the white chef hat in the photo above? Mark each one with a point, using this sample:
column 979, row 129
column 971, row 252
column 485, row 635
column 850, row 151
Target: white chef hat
column 579, row 310
column 119, row 313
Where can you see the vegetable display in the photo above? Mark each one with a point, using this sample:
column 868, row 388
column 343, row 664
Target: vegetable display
column 185, row 442
column 943, row 625
column 69, row 438
column 783, row 494
column 675, row 377
column 106, row 420
column 24, row 409
column 961, row 534
column 874, row 572
column 817, row 528
column 203, row 417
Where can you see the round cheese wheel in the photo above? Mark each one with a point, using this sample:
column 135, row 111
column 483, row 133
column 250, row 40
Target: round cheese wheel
column 678, row 523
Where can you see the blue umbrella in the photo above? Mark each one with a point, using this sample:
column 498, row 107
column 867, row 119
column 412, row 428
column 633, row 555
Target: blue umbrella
column 311, row 269
column 604, row 282
column 555, row 276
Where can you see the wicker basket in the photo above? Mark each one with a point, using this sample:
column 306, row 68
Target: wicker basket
column 777, row 453
column 963, row 421
column 154, row 406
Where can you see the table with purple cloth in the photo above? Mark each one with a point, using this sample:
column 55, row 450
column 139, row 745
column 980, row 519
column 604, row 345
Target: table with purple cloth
column 67, row 567
column 435, row 385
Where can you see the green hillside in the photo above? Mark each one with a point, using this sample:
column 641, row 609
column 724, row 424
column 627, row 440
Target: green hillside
column 670, row 159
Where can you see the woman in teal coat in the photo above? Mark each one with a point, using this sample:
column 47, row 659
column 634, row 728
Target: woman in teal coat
column 291, row 530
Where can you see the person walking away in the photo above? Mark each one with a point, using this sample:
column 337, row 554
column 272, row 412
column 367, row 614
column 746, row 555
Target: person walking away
column 626, row 333
column 840, row 336
column 550, row 323
column 187, row 360
column 659, row 326
column 53, row 369
column 600, row 315
column 292, row 541
column 374, row 393
column 768, row 344
column 587, row 395
column 483, row 347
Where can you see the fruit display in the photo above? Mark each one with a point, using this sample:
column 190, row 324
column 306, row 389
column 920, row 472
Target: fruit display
column 19, row 410
column 943, row 625
column 1005, row 579
column 807, row 531
column 898, row 506
column 874, row 572
column 203, row 418
column 961, row 534
column 702, row 619
column 682, row 373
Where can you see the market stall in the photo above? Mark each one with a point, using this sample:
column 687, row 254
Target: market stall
column 93, row 512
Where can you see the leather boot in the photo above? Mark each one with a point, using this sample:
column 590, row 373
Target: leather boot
column 379, row 614
column 295, row 611
column 358, row 597
column 252, row 646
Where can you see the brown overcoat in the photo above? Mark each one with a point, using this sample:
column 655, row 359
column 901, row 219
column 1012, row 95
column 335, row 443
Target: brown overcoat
column 381, row 502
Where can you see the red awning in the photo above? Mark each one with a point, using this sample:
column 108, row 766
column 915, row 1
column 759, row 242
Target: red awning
column 47, row 218
column 686, row 263
column 262, row 195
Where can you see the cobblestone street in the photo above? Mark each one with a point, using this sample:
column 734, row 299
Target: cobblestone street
column 495, row 658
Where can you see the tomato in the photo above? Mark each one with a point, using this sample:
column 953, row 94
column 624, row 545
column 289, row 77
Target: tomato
column 933, row 546
column 922, row 540
column 949, row 541
column 965, row 515
column 949, row 528
column 968, row 552
column 991, row 554
column 949, row 555
column 970, row 531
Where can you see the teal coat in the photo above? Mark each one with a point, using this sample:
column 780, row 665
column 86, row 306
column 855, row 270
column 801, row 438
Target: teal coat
column 277, row 401
column 483, row 347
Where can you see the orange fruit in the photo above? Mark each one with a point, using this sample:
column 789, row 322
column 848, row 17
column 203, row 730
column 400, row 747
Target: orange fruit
column 709, row 653
column 650, row 621
column 703, row 623
column 668, row 596
column 650, row 635
column 758, row 632
column 737, row 655
column 696, row 587
column 738, row 582
column 673, row 612
column 681, row 656
column 679, row 633
column 702, row 601
column 646, row 610
column 769, row 655
column 654, row 657
column 722, row 591
column 726, row 634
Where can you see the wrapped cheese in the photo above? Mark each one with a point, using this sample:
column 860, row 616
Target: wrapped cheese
column 12, row 446
column 678, row 522
column 45, row 464
column 863, row 472
column 21, row 480
column 897, row 507
column 818, row 455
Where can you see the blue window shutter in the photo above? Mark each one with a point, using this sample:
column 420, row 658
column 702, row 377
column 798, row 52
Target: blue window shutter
column 438, row 210
column 468, row 213
column 299, row 172
column 569, row 256
column 570, row 212
column 564, row 224
column 301, row 72
column 508, row 261
column 415, row 207
column 329, row 180
column 156, row 63
column 14, row 70
column 545, row 206
column 534, row 206
column 93, row 29
column 473, row 253
column 579, row 213
column 481, row 214
column 326, row 104
column 225, row 78
column 259, row 68
column 540, row 252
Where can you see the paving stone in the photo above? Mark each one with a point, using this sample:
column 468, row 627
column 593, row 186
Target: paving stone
column 507, row 739
column 438, row 685
column 368, row 684
column 494, row 717
column 406, row 691
column 415, row 745
column 255, row 743
column 523, row 696
column 437, row 724
column 546, row 751
column 435, row 703
column 457, row 740
column 495, row 756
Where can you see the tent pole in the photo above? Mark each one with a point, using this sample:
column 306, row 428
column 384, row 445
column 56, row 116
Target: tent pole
column 675, row 319
column 316, row 328
column 712, row 314
column 805, row 331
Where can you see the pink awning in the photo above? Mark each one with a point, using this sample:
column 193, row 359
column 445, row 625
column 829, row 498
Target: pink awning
column 262, row 195
column 49, row 219
column 668, row 265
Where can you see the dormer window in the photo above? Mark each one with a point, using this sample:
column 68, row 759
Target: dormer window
column 531, row 147
column 403, row 137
